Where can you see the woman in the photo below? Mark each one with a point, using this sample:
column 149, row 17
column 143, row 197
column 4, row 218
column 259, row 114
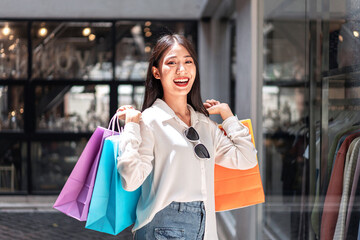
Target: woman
column 169, row 150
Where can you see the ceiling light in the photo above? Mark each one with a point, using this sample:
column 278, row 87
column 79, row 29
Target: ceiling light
column 147, row 49
column 148, row 34
column 86, row 32
column 6, row 31
column 42, row 32
column 147, row 23
column 356, row 34
column 92, row 37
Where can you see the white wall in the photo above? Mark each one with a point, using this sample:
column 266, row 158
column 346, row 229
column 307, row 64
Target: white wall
column 129, row 9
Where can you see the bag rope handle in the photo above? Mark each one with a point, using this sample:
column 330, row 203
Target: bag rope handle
column 112, row 124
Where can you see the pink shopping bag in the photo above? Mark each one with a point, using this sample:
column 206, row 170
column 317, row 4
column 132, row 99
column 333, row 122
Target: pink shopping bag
column 74, row 198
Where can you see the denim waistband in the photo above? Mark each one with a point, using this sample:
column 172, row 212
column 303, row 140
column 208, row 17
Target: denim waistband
column 196, row 206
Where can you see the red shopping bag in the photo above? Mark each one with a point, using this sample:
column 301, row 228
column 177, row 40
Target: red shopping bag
column 236, row 188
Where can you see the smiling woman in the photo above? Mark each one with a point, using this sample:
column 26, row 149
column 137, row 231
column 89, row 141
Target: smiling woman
column 175, row 170
column 163, row 56
column 177, row 73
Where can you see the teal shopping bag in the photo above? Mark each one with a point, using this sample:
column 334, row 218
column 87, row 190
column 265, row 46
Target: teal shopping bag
column 112, row 209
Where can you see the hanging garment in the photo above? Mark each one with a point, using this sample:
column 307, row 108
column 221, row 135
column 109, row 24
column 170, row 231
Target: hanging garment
column 334, row 191
column 342, row 139
column 350, row 166
column 339, row 139
column 327, row 166
column 325, row 177
column 353, row 214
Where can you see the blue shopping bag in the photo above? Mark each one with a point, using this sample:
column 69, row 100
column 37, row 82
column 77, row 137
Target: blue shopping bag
column 112, row 209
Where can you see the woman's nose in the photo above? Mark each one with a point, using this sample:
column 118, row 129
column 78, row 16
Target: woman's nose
column 180, row 68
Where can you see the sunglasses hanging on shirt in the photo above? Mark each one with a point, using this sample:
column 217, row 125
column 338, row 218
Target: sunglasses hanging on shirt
column 200, row 150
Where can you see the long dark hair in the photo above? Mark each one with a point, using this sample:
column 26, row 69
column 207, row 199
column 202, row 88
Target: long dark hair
column 153, row 87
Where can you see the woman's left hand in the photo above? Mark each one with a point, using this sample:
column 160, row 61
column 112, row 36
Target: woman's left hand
column 215, row 107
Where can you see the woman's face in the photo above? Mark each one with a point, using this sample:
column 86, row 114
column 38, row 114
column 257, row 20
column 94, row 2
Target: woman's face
column 176, row 71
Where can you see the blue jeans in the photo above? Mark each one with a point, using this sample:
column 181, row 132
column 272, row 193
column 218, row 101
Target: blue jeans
column 179, row 220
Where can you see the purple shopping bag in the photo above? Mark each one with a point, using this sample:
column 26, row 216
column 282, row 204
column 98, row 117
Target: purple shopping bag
column 74, row 198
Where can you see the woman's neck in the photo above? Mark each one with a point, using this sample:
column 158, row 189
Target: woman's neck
column 179, row 105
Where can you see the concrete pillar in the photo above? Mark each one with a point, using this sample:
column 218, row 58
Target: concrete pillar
column 214, row 60
column 249, row 99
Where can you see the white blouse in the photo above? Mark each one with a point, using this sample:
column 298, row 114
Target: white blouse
column 158, row 157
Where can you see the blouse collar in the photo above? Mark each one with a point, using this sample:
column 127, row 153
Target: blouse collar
column 167, row 113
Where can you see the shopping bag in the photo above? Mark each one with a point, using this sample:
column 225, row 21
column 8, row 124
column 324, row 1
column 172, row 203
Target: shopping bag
column 74, row 198
column 236, row 188
column 112, row 209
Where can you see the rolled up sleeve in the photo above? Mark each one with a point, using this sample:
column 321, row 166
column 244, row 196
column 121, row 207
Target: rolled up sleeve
column 135, row 161
column 235, row 150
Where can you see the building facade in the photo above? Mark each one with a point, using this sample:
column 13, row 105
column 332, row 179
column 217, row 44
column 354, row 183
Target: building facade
column 290, row 66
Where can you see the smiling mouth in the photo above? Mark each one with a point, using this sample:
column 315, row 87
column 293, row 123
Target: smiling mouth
column 181, row 82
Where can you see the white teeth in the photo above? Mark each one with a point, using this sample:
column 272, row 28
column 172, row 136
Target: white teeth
column 181, row 80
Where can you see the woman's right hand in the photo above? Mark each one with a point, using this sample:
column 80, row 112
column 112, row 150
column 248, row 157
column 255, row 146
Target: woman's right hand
column 128, row 113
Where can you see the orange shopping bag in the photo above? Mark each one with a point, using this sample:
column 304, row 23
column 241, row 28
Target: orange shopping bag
column 236, row 188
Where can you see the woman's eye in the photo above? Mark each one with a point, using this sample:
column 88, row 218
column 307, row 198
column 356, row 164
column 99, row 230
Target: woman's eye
column 189, row 61
column 171, row 63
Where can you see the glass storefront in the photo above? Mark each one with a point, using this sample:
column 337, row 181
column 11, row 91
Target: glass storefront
column 310, row 102
column 72, row 50
column 13, row 50
column 71, row 108
column 131, row 95
column 80, row 72
column 13, row 165
column 11, row 108
column 52, row 163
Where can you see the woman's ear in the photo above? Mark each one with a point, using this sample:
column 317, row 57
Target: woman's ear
column 156, row 73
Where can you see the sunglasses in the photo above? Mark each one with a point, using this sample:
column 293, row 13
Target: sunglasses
column 200, row 150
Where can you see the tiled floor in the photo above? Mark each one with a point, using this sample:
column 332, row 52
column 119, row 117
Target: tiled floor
column 48, row 226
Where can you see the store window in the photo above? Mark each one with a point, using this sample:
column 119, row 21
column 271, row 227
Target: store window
column 79, row 108
column 13, row 50
column 11, row 108
column 53, row 162
column 131, row 95
column 311, row 119
column 77, row 50
column 81, row 72
column 13, row 166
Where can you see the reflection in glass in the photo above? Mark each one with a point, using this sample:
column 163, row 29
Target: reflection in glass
column 284, row 50
column 53, row 163
column 285, row 108
column 340, row 125
column 11, row 108
column 72, row 109
column 13, row 50
column 72, row 50
column 131, row 95
column 311, row 77
column 285, row 119
column 12, row 165
column 135, row 40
